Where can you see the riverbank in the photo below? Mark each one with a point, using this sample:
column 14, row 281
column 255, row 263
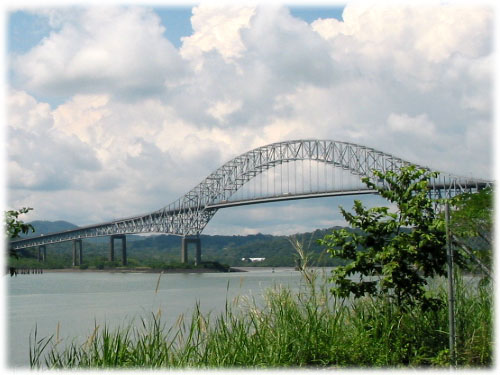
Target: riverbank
column 142, row 270
column 288, row 328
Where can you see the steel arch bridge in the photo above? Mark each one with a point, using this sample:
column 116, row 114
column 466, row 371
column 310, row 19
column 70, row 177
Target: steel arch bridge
column 188, row 215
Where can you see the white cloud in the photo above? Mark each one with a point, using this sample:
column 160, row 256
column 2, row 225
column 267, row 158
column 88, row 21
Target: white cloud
column 141, row 122
column 78, row 117
column 419, row 125
column 287, row 47
column 216, row 28
column 40, row 158
column 24, row 112
column 221, row 109
column 413, row 43
column 102, row 50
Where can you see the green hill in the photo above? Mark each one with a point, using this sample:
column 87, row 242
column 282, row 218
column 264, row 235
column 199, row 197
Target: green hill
column 157, row 250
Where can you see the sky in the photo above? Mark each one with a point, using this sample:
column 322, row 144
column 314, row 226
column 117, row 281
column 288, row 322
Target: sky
column 119, row 110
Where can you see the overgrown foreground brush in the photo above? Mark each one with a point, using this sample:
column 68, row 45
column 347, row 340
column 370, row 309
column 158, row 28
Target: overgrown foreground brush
column 289, row 329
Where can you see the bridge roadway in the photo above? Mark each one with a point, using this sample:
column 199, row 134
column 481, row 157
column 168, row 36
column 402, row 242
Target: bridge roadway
column 188, row 215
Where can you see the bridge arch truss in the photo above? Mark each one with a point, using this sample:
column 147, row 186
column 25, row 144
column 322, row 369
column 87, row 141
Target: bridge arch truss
column 188, row 215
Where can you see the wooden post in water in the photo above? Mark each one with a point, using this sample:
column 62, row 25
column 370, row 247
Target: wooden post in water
column 451, row 291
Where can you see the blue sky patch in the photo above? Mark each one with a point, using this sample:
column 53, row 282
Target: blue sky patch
column 25, row 31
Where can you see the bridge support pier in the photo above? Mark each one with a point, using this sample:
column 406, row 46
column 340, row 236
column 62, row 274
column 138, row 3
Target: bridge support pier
column 112, row 247
column 78, row 261
column 42, row 253
column 184, row 249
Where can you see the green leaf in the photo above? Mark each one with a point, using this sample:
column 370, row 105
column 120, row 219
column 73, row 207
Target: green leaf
column 398, row 246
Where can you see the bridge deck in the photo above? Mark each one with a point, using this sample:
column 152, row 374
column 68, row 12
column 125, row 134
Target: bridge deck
column 289, row 197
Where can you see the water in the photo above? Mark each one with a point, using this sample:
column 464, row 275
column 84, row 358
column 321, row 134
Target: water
column 77, row 301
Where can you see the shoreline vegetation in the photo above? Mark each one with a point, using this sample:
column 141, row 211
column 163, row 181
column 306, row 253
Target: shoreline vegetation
column 112, row 267
column 143, row 270
column 305, row 328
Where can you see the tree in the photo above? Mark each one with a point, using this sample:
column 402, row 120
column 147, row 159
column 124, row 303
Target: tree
column 14, row 227
column 471, row 226
column 473, row 215
column 394, row 252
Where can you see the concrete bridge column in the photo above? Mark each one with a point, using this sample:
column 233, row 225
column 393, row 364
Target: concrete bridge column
column 78, row 261
column 80, row 253
column 112, row 247
column 42, row 253
column 124, row 250
column 197, row 258
column 184, row 249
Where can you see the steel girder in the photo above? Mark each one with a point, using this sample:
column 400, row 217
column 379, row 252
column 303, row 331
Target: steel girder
column 189, row 214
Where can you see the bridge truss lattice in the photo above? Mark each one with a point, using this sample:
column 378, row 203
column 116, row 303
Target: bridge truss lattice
column 188, row 215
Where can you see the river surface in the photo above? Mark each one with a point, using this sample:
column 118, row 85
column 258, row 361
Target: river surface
column 73, row 302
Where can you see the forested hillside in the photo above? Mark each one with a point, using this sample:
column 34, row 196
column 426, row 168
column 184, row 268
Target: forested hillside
column 157, row 250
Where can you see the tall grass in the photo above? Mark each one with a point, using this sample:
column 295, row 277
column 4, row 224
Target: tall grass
column 305, row 328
